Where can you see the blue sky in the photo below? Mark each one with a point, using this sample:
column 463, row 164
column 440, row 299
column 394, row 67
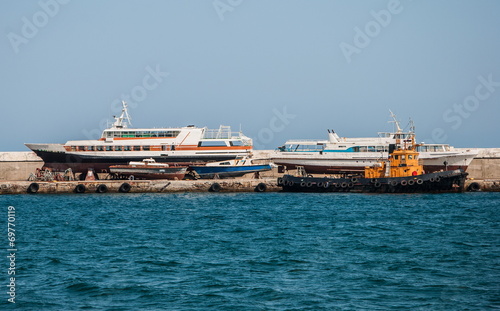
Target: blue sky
column 279, row 69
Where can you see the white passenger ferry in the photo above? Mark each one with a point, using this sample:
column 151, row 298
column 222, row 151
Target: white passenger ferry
column 350, row 155
column 120, row 144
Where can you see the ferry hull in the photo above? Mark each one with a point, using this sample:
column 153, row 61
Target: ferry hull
column 441, row 182
column 346, row 163
column 60, row 161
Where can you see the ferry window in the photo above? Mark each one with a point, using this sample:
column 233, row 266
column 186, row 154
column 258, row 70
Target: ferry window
column 371, row 148
column 362, row 149
column 81, row 148
column 396, row 157
column 138, row 134
column 403, row 157
column 109, row 148
column 91, row 148
column 164, row 147
column 410, row 157
column 146, row 148
column 355, row 149
column 118, row 148
column 100, row 148
column 214, row 143
column 236, row 143
column 73, row 148
column 137, row 148
column 380, row 148
column 127, row 148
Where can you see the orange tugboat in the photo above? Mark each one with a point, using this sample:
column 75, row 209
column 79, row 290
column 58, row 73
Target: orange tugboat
column 400, row 173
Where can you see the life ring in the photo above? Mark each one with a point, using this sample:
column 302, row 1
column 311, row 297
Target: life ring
column 437, row 179
column 350, row 185
column 474, row 187
column 320, row 184
column 80, row 188
column 261, row 187
column 215, row 187
column 354, row 180
column 309, row 184
column 431, row 179
column 411, row 182
column 337, row 185
column 344, row 185
column 414, row 173
column 102, row 188
column 291, row 183
column 326, row 185
column 33, row 187
column 373, row 180
column 303, row 184
column 280, row 181
column 125, row 188
column 420, row 181
column 404, row 183
column 377, row 184
column 394, row 183
column 131, row 177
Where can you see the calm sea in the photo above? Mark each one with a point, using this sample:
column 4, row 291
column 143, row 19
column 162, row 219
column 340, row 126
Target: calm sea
column 252, row 251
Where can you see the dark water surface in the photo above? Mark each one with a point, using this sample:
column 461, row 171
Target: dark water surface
column 254, row 251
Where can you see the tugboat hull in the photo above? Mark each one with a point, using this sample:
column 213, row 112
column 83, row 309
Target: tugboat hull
column 439, row 182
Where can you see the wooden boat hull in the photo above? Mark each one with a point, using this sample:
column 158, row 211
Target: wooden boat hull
column 143, row 172
column 228, row 171
column 439, row 182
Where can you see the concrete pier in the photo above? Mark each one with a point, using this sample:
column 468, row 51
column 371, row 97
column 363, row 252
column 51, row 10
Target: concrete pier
column 16, row 167
column 140, row 186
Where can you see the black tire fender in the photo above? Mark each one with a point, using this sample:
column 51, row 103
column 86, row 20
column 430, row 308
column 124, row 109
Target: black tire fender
column 102, row 188
column 80, row 188
column 215, row 187
column 261, row 187
column 33, row 187
column 125, row 188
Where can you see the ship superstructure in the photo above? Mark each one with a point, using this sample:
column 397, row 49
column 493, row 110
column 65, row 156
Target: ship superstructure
column 121, row 144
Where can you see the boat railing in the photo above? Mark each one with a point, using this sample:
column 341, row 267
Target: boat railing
column 224, row 132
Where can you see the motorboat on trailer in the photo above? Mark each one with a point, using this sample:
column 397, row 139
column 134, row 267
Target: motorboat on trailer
column 148, row 169
column 401, row 172
column 351, row 155
column 121, row 144
column 230, row 168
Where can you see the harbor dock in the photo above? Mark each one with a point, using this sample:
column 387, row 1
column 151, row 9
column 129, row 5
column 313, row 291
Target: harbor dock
column 139, row 186
column 16, row 167
column 172, row 186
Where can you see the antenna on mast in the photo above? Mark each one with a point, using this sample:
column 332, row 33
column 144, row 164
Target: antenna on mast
column 124, row 120
column 396, row 122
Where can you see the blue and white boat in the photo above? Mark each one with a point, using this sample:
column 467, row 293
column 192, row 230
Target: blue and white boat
column 230, row 168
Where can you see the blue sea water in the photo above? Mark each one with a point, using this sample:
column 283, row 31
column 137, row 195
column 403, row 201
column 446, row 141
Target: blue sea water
column 253, row 251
